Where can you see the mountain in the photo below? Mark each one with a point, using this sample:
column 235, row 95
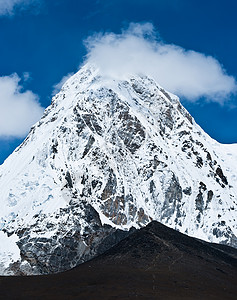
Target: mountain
column 109, row 156
column 155, row 262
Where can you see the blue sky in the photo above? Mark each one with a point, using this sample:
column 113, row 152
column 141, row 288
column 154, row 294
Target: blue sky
column 43, row 41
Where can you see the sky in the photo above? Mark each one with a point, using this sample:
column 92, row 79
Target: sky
column 189, row 47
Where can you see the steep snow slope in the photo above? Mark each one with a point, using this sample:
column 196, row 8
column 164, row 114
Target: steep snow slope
column 109, row 155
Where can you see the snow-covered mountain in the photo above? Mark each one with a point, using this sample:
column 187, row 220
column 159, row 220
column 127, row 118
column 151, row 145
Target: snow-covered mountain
column 106, row 156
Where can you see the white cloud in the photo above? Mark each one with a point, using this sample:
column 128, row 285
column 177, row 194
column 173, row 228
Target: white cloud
column 183, row 72
column 57, row 87
column 7, row 7
column 19, row 110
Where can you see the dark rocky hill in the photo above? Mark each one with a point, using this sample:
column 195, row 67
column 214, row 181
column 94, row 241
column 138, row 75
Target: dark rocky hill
column 155, row 262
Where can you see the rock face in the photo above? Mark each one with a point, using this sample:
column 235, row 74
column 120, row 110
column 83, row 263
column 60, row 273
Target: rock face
column 109, row 155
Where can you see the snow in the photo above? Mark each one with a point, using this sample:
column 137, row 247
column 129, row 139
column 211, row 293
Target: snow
column 9, row 252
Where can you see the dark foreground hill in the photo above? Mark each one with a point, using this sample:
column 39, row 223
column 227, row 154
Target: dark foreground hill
column 155, row 262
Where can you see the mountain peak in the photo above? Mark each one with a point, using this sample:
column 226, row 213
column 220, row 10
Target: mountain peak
column 108, row 155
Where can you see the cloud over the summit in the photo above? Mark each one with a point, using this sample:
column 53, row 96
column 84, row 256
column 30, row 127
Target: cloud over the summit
column 183, row 72
column 7, row 7
column 57, row 87
column 19, row 110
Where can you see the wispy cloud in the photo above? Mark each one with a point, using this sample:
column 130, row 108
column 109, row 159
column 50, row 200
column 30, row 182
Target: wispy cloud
column 8, row 7
column 139, row 50
column 19, row 109
column 26, row 76
column 57, row 87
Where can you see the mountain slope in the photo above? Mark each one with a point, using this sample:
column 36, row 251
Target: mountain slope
column 154, row 262
column 106, row 156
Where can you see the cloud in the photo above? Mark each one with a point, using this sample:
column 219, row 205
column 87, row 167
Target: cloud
column 138, row 49
column 57, row 87
column 8, row 7
column 19, row 110
column 26, row 76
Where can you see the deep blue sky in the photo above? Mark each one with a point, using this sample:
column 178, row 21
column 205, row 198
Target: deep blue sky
column 47, row 42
